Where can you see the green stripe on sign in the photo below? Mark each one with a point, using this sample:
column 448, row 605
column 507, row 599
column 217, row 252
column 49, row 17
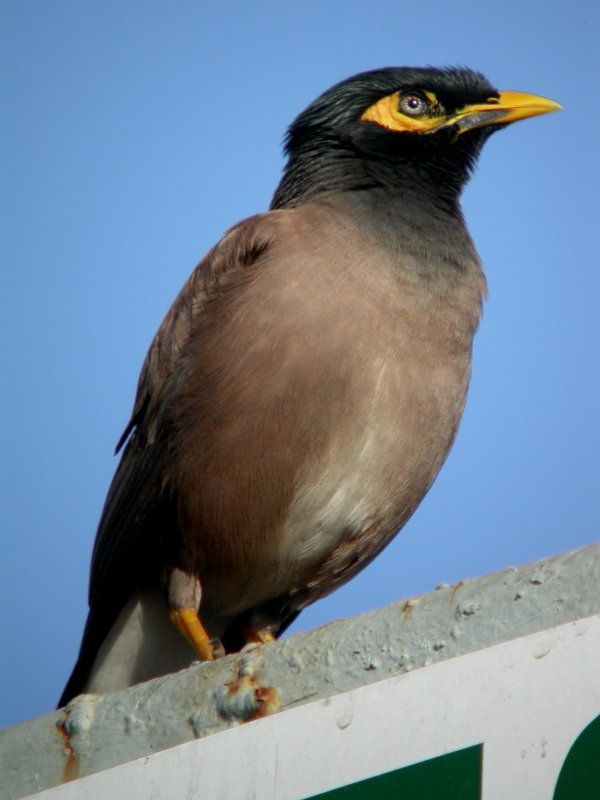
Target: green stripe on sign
column 453, row 776
column 579, row 777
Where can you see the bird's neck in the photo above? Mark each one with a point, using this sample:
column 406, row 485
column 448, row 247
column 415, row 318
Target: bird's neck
column 320, row 168
column 411, row 207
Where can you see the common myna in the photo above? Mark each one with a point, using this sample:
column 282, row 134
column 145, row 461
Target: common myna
column 306, row 385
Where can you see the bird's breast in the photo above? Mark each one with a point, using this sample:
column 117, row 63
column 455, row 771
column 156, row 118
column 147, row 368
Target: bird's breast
column 340, row 393
column 375, row 470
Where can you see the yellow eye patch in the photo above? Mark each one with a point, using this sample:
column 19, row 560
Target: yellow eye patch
column 387, row 114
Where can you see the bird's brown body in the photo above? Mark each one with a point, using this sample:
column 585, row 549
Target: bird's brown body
column 294, row 407
column 298, row 474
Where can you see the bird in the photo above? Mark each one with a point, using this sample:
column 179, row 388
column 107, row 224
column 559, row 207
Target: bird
column 305, row 387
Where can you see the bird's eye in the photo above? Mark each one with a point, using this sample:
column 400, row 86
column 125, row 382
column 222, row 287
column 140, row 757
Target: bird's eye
column 413, row 105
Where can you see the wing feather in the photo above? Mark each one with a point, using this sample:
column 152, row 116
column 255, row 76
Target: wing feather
column 135, row 530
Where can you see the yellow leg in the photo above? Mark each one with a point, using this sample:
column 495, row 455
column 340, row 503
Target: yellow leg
column 258, row 635
column 188, row 623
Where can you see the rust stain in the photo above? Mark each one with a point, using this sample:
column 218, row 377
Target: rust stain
column 455, row 588
column 408, row 606
column 71, row 766
column 243, row 699
column 268, row 701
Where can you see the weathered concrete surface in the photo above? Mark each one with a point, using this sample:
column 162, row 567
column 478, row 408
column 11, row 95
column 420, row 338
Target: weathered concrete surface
column 95, row 733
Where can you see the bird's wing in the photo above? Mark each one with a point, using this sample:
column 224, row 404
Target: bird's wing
column 139, row 509
column 137, row 491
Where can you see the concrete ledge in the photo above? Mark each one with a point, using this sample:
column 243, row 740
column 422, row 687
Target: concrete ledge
column 98, row 732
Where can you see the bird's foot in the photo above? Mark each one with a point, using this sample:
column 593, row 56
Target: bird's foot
column 185, row 594
column 188, row 623
column 218, row 650
column 255, row 634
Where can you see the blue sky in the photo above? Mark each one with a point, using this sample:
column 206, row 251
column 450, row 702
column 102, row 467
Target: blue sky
column 135, row 133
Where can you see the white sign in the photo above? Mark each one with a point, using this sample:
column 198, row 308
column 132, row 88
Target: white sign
column 497, row 724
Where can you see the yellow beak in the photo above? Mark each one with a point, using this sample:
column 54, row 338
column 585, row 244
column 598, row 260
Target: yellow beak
column 507, row 107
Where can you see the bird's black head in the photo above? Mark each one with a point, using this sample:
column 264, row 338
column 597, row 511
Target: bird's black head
column 394, row 127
